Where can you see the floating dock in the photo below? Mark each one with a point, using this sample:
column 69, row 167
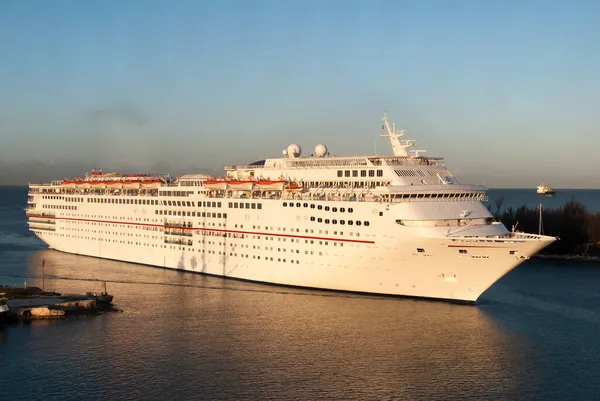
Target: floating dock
column 29, row 303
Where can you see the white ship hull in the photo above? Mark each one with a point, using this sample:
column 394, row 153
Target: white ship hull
column 397, row 225
column 282, row 246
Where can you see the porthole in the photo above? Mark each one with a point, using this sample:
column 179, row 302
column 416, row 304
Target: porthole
column 319, row 220
column 306, row 205
column 366, row 223
column 342, row 210
column 320, row 207
column 350, row 210
column 312, row 206
column 350, row 222
column 326, row 208
column 326, row 221
column 358, row 223
column 334, row 221
column 342, row 222
column 334, row 209
column 312, row 219
column 284, row 203
column 291, row 204
column 298, row 204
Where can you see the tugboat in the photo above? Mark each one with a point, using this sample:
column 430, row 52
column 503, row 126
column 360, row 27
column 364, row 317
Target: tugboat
column 102, row 298
column 3, row 307
column 545, row 190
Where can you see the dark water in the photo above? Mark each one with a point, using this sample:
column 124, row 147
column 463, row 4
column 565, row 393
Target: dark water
column 535, row 335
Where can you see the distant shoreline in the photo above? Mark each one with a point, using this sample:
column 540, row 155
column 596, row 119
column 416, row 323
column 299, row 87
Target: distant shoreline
column 568, row 258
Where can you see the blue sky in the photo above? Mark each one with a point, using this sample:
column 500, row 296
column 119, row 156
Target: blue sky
column 506, row 91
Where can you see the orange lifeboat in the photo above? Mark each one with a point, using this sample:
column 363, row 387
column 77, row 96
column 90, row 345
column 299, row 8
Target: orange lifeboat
column 241, row 185
column 68, row 184
column 97, row 184
column 83, row 184
column 130, row 184
column 216, row 184
column 151, row 184
column 294, row 187
column 270, row 185
column 113, row 184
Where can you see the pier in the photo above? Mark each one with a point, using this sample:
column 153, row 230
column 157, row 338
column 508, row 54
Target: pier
column 28, row 303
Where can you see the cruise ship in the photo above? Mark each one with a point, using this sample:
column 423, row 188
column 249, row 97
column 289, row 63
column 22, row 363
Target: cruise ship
column 395, row 225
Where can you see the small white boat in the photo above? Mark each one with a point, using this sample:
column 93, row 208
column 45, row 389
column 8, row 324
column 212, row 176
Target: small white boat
column 3, row 303
column 545, row 190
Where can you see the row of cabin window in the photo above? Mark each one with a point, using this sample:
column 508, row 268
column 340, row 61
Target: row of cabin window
column 175, row 193
column 363, row 173
column 346, row 184
column 240, row 205
column 474, row 196
column 319, row 207
column 125, row 201
column 342, row 222
column 63, row 207
column 191, row 214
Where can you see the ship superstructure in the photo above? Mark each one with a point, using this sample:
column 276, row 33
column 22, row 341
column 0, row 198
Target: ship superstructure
column 399, row 225
column 545, row 190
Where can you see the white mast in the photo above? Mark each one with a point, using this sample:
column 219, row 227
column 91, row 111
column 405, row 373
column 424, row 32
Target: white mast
column 398, row 147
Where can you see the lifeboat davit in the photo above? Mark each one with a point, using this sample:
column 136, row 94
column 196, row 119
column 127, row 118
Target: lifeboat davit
column 241, row 185
column 220, row 185
column 83, row 184
column 270, row 185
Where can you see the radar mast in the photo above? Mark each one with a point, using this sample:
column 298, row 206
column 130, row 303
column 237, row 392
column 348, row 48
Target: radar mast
column 399, row 147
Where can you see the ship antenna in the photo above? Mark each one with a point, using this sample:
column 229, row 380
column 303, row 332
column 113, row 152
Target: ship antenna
column 398, row 147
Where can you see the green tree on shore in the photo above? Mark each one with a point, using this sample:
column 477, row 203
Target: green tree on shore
column 578, row 230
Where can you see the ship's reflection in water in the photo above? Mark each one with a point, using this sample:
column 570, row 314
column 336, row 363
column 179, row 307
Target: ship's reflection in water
column 192, row 336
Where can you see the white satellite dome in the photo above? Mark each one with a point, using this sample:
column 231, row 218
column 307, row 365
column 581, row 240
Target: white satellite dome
column 320, row 150
column 294, row 150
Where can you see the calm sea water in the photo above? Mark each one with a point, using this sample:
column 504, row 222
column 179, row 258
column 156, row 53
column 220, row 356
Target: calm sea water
column 534, row 336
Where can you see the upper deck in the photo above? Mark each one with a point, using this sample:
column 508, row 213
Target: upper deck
column 405, row 176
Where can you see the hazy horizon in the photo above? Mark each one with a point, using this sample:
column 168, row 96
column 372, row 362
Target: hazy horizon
column 506, row 92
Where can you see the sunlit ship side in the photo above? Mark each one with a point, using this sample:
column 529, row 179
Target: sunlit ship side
column 545, row 190
column 399, row 225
